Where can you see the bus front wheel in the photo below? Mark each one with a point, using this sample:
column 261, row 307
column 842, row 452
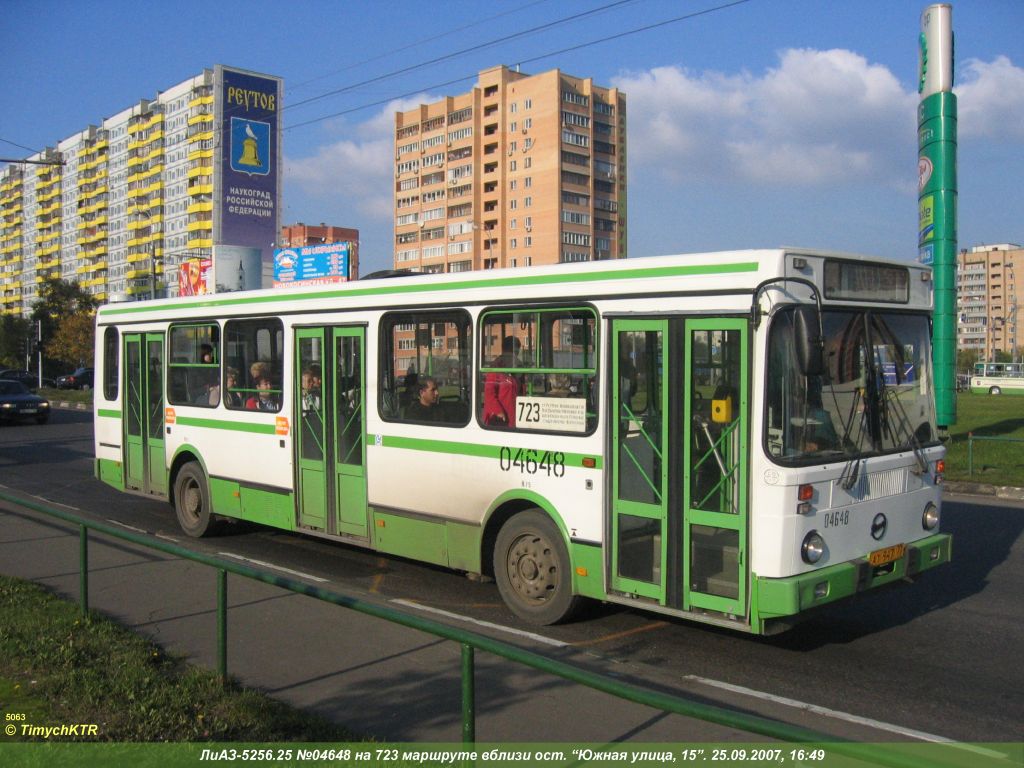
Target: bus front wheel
column 995, row 391
column 192, row 501
column 532, row 569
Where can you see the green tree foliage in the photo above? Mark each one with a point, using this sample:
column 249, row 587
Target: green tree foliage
column 74, row 340
column 14, row 332
column 57, row 300
column 60, row 301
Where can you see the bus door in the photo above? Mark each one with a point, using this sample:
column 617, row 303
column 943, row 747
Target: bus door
column 715, row 465
column 145, row 466
column 640, row 504
column 330, row 423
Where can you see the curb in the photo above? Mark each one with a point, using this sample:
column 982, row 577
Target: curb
column 984, row 489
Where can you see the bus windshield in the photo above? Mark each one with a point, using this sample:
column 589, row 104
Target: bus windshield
column 875, row 397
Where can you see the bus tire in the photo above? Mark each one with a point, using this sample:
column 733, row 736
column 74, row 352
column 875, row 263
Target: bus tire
column 192, row 501
column 995, row 391
column 532, row 569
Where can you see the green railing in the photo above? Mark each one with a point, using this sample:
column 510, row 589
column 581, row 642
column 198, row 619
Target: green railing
column 469, row 642
column 972, row 438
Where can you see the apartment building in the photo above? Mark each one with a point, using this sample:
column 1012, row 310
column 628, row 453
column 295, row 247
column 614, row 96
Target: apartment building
column 190, row 175
column 523, row 170
column 989, row 298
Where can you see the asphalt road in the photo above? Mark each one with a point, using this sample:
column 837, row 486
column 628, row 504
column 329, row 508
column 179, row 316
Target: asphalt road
column 936, row 658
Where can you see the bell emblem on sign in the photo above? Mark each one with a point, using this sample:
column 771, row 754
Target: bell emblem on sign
column 250, row 155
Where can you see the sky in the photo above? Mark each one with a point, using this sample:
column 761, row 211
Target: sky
column 757, row 123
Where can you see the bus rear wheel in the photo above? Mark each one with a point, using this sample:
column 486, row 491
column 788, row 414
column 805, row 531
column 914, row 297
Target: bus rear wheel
column 995, row 391
column 192, row 501
column 532, row 569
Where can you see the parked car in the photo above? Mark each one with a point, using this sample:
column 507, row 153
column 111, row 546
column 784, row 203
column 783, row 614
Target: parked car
column 29, row 379
column 80, row 379
column 16, row 402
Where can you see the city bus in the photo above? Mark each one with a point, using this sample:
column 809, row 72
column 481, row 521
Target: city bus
column 998, row 379
column 735, row 438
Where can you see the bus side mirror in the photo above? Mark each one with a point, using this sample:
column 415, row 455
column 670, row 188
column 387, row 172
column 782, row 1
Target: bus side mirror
column 810, row 346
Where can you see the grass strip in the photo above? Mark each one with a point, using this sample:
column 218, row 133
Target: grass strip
column 58, row 667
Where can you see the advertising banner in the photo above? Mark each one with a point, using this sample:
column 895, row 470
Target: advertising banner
column 250, row 154
column 194, row 277
column 312, row 264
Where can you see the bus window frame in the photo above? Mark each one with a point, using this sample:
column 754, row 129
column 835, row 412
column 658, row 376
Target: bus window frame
column 593, row 372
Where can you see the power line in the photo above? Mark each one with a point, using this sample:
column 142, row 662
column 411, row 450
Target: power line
column 19, row 146
column 455, row 54
column 416, row 43
column 607, row 38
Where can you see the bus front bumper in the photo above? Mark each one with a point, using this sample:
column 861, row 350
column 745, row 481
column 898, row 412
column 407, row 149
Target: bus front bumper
column 789, row 596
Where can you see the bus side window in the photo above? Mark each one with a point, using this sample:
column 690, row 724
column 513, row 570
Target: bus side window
column 425, row 367
column 254, row 349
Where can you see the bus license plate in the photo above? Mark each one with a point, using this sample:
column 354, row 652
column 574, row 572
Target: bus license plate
column 887, row 555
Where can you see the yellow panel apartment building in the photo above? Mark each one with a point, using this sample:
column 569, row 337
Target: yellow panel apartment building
column 523, row 170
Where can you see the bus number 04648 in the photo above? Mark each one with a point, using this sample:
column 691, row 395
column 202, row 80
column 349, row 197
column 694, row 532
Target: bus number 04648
column 530, row 461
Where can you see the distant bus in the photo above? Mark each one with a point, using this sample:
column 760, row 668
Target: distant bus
column 998, row 379
column 733, row 438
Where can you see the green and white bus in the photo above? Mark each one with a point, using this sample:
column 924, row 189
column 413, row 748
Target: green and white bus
column 720, row 437
column 998, row 379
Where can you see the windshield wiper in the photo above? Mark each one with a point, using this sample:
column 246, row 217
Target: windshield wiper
column 889, row 400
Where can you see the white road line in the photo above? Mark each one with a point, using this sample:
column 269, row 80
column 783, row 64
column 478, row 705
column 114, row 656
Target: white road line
column 59, row 504
column 300, row 574
column 165, row 537
column 825, row 712
column 479, row 623
column 125, row 525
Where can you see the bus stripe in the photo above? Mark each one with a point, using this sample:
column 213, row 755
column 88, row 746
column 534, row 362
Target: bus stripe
column 477, row 450
column 237, row 426
column 395, row 287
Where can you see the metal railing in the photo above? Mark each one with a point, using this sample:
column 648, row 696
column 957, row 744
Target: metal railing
column 971, row 438
column 469, row 642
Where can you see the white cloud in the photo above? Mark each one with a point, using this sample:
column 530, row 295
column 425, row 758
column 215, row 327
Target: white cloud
column 819, row 117
column 358, row 168
column 990, row 103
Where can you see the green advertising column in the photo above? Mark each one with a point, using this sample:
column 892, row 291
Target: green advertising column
column 937, row 190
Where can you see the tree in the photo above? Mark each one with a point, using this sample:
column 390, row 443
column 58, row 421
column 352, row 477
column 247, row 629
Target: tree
column 57, row 300
column 15, row 332
column 74, row 340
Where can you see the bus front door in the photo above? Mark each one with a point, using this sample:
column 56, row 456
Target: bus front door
column 715, row 465
column 330, row 423
column 639, row 536
column 145, row 466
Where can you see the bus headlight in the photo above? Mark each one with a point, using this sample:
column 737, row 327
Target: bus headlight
column 813, row 548
column 930, row 518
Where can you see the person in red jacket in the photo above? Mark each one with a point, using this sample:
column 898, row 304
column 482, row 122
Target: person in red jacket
column 501, row 389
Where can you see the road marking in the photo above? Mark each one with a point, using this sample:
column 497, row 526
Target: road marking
column 165, row 537
column 825, row 712
column 379, row 578
column 59, row 504
column 300, row 574
column 479, row 623
column 125, row 525
column 617, row 635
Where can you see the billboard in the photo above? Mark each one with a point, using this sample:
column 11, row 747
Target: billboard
column 250, row 161
column 313, row 264
column 194, row 277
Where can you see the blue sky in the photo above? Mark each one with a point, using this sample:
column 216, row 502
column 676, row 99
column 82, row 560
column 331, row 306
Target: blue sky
column 769, row 122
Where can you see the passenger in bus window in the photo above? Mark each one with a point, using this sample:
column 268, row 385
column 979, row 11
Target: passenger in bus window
column 501, row 389
column 206, row 354
column 231, row 397
column 311, row 383
column 425, row 408
column 265, row 398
